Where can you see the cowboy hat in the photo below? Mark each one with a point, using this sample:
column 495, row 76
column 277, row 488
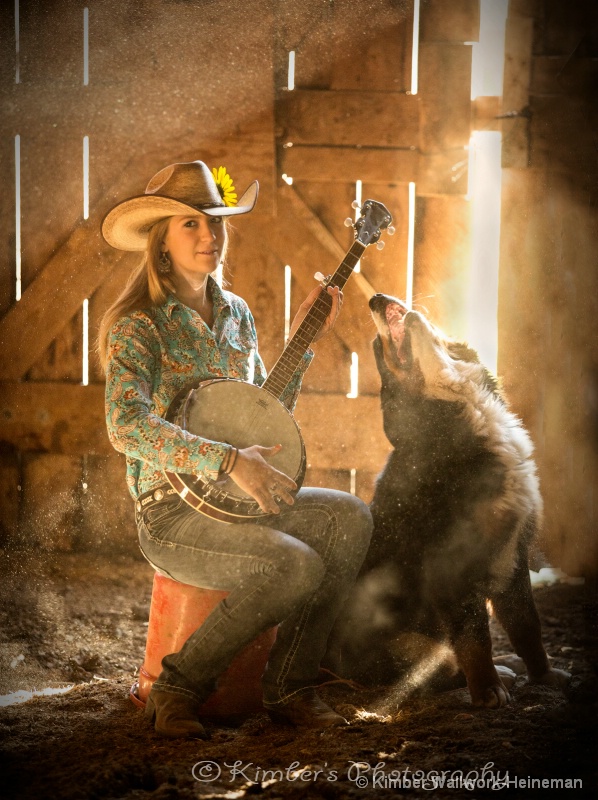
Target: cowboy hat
column 186, row 188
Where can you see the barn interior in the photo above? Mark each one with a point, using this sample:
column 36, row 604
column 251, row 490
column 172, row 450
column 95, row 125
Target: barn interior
column 474, row 122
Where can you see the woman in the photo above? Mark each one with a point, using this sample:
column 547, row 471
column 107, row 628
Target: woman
column 293, row 568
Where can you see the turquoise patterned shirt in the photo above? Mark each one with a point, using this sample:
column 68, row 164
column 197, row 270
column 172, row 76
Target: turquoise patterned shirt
column 152, row 355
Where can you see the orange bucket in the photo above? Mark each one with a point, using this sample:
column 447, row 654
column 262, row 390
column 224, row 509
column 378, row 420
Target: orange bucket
column 176, row 611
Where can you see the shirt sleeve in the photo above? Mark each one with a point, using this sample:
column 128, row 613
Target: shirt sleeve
column 134, row 427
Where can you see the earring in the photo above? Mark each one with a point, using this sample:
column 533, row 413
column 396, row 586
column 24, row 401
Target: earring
column 164, row 264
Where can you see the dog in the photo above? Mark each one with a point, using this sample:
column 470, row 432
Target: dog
column 455, row 510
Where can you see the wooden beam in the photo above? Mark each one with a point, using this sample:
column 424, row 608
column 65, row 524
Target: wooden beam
column 69, row 419
column 519, row 37
column 374, row 119
column 444, row 95
column 54, row 417
column 343, row 164
column 74, row 272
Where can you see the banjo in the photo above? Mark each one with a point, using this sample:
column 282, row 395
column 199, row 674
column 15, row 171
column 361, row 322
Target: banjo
column 243, row 414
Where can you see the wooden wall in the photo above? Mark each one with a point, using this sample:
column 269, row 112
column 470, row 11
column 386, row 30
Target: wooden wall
column 172, row 82
column 176, row 81
column 549, row 278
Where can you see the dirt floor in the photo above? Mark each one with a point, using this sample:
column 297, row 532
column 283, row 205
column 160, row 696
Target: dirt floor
column 83, row 619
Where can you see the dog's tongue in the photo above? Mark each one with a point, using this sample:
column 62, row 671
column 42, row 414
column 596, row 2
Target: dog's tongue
column 396, row 324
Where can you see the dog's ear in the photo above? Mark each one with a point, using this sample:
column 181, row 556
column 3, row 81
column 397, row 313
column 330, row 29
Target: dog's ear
column 463, row 352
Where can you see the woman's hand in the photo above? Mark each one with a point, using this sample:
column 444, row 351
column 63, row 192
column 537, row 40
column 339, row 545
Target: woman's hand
column 263, row 482
column 337, row 301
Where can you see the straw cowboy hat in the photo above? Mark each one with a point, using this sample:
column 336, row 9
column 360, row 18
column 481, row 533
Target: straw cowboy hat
column 186, row 188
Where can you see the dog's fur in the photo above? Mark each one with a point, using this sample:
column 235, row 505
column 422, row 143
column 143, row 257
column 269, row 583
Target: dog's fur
column 455, row 510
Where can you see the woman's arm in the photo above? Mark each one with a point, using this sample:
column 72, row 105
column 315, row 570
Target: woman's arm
column 134, row 428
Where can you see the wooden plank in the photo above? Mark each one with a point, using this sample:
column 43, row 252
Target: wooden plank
column 51, row 191
column 63, row 360
column 10, row 496
column 344, row 44
column 547, row 223
column 69, row 420
column 565, row 26
column 42, row 25
column 444, row 96
column 557, row 122
column 7, row 222
column 383, row 62
column 457, row 21
column 54, row 417
column 377, row 119
column 348, row 443
column 517, row 78
column 442, row 173
column 434, row 173
column 343, row 164
column 73, row 272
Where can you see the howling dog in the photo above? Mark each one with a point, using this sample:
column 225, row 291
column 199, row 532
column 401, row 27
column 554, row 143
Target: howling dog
column 455, row 510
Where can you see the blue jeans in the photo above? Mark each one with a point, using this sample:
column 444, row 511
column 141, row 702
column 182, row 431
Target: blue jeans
column 293, row 570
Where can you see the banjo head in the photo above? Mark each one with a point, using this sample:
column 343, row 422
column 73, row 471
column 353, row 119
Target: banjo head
column 240, row 414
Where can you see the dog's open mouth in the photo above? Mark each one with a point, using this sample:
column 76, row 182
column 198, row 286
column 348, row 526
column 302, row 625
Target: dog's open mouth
column 390, row 315
column 395, row 318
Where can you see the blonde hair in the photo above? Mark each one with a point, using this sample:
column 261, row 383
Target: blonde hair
column 147, row 287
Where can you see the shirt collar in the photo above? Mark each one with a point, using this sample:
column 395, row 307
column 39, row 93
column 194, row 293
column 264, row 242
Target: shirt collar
column 219, row 299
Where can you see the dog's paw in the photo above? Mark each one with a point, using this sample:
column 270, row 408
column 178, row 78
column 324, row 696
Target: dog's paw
column 558, row 678
column 495, row 696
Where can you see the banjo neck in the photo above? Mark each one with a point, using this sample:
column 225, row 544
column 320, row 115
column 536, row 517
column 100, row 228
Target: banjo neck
column 298, row 345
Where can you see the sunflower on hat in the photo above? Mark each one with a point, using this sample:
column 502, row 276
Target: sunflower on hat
column 225, row 185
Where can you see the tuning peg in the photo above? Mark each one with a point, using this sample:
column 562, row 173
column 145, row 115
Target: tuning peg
column 355, row 204
column 319, row 277
column 348, row 222
column 380, row 245
column 391, row 230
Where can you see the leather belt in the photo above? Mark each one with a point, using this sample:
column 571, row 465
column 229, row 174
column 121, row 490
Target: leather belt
column 158, row 495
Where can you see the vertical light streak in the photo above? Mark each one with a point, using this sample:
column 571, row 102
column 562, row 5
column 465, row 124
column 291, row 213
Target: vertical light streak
column 353, row 481
column 358, row 200
column 488, row 54
column 86, row 177
column 354, row 376
column 415, row 48
column 18, row 216
column 482, row 306
column 85, row 370
column 291, row 71
column 85, row 47
column 287, row 301
column 410, row 246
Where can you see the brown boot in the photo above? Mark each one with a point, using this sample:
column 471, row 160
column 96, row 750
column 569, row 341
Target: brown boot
column 174, row 715
column 305, row 710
